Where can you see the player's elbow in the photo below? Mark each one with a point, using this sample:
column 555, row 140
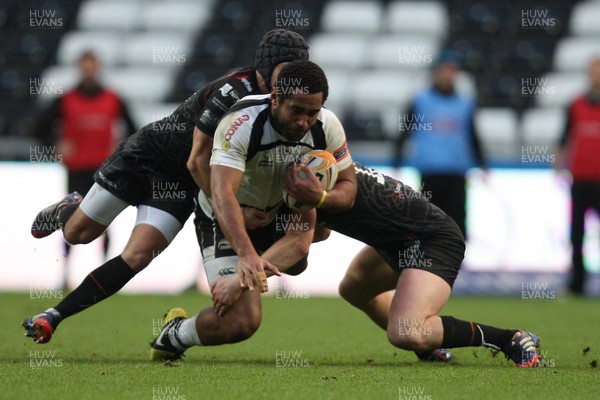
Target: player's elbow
column 321, row 233
column 301, row 248
column 297, row 268
column 193, row 165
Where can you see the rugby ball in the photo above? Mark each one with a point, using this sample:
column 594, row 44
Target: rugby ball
column 324, row 166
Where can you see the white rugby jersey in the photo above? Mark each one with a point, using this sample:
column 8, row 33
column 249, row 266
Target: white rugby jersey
column 246, row 140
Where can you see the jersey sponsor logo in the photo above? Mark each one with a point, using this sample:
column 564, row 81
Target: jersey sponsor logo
column 227, row 90
column 342, row 152
column 246, row 81
column 238, row 122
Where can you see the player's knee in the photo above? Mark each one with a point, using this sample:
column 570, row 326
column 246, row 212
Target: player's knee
column 413, row 339
column 348, row 290
column 244, row 328
column 138, row 259
column 75, row 233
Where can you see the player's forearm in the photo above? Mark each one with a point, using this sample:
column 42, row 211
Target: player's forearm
column 231, row 221
column 286, row 253
column 199, row 158
column 289, row 250
column 201, row 174
column 341, row 197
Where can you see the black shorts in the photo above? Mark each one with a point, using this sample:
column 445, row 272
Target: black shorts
column 132, row 175
column 80, row 181
column 440, row 254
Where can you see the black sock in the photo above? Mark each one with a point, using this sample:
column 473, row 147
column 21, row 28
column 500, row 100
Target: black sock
column 458, row 333
column 64, row 213
column 101, row 283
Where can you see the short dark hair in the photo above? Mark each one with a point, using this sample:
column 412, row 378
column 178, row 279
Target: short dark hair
column 301, row 76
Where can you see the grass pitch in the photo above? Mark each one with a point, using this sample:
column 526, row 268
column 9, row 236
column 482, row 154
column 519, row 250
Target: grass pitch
column 315, row 348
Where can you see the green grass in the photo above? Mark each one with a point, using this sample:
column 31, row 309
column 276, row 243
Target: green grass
column 103, row 354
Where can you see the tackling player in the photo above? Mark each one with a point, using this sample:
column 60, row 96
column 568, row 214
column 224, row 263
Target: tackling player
column 253, row 146
column 155, row 156
column 416, row 249
column 424, row 248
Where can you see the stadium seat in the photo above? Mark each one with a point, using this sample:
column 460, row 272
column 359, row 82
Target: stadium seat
column 140, row 83
column 575, row 53
column 402, row 51
column 105, row 44
column 584, row 18
column 427, row 17
column 561, row 88
column 542, row 126
column 186, row 15
column 110, row 15
column 389, row 88
column 169, row 49
column 338, row 50
column 465, row 83
column 497, row 129
column 339, row 88
column 352, row 16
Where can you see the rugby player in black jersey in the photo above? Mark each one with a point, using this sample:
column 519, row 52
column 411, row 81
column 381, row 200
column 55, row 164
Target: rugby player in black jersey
column 156, row 156
column 416, row 249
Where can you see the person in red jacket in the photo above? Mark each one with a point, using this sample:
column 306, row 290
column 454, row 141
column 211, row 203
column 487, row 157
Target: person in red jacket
column 85, row 119
column 580, row 150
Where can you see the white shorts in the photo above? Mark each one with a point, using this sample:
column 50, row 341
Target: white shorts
column 103, row 207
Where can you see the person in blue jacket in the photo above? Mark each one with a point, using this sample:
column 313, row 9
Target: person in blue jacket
column 443, row 140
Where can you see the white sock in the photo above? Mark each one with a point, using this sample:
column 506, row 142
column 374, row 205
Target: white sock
column 186, row 334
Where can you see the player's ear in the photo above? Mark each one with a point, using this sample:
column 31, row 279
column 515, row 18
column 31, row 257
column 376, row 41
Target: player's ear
column 274, row 97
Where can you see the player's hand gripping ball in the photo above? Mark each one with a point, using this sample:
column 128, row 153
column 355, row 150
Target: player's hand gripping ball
column 324, row 166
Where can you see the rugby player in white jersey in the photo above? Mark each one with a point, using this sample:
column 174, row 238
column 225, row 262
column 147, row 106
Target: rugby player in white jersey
column 254, row 145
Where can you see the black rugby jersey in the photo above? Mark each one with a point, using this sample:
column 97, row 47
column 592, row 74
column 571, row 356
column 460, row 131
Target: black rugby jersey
column 385, row 212
column 169, row 140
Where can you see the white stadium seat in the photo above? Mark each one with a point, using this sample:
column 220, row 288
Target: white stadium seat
column 465, row 84
column 427, row 17
column 113, row 15
column 170, row 49
column 575, row 53
column 561, row 88
column 186, row 15
column 402, row 51
column 497, row 128
column 338, row 50
column 140, row 83
column 585, row 18
column 542, row 126
column 352, row 16
column 339, row 87
column 105, row 44
column 390, row 88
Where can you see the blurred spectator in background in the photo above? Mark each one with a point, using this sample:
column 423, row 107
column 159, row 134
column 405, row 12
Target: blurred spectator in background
column 83, row 125
column 580, row 152
column 443, row 141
